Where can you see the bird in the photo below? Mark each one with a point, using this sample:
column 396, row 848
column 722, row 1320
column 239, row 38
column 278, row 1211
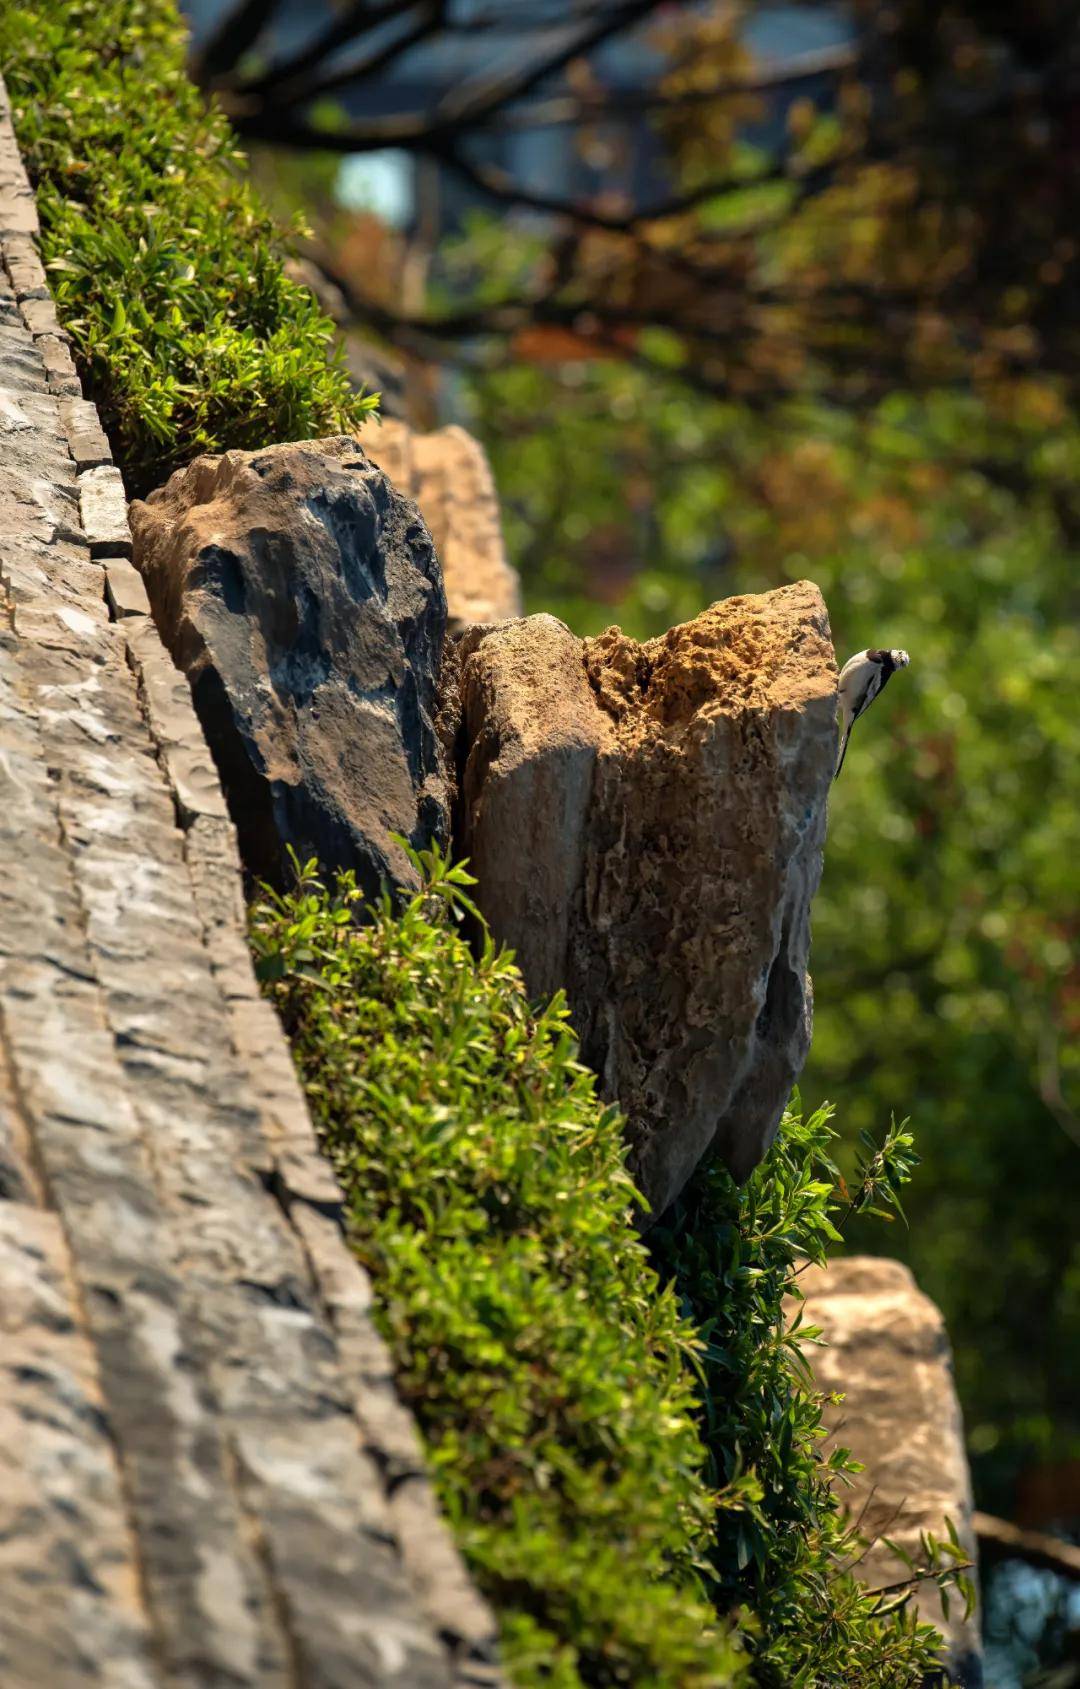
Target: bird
column 861, row 679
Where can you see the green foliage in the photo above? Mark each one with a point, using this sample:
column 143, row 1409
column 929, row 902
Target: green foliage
column 164, row 265
column 556, row 1382
column 945, row 928
column 782, row 1541
column 488, row 1196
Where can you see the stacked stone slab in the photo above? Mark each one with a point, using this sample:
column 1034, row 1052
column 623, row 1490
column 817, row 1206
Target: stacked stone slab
column 205, row 1474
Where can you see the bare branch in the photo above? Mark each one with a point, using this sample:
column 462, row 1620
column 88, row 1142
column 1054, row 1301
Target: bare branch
column 468, row 108
column 566, row 110
column 1000, row 1540
column 355, row 20
column 907, row 1586
column 237, row 32
column 498, row 185
column 358, row 70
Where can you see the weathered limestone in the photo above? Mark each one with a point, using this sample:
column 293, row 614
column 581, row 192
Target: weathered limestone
column 301, row 597
column 18, row 213
column 887, row 1352
column 85, row 435
column 72, row 1609
column 201, row 1453
column 448, row 476
column 646, row 823
column 125, row 593
column 103, row 509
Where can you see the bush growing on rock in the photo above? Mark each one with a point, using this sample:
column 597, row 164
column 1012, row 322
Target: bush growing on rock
column 631, row 1527
column 163, row 263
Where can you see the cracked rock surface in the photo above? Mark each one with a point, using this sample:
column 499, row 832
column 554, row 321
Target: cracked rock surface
column 647, row 824
column 300, row 594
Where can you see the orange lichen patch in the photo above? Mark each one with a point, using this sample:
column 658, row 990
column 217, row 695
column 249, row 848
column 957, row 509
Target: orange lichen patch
column 761, row 651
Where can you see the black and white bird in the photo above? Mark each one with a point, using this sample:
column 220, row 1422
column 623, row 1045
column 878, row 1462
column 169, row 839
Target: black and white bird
column 861, row 679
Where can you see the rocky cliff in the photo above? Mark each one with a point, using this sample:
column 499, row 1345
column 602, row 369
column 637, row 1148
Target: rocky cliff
column 205, row 1472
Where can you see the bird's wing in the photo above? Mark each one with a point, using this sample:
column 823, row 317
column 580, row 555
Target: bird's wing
column 867, row 691
column 860, row 683
column 853, row 678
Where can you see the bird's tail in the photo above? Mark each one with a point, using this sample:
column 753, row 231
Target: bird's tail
column 843, row 750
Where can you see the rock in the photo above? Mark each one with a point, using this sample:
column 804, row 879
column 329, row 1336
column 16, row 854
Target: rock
column 85, row 436
column 301, row 596
column 448, row 475
column 125, row 593
column 888, row 1354
column 646, row 823
column 534, row 731
column 103, row 505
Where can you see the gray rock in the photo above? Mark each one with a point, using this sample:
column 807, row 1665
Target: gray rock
column 887, row 1353
column 59, row 367
column 647, row 823
column 103, row 506
column 39, row 314
column 301, row 596
column 448, row 475
column 85, row 436
column 124, row 590
column 72, row 1614
column 24, row 268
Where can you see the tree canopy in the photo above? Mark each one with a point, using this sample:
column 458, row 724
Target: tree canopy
column 895, row 206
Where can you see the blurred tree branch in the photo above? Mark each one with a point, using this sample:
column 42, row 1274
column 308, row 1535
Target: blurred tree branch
column 908, row 214
column 1000, row 1540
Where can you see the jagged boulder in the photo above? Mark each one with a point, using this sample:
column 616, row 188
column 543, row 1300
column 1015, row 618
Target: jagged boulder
column 448, row 475
column 646, row 823
column 887, row 1354
column 300, row 594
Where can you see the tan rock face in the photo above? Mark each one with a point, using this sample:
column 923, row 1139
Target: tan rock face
column 301, row 596
column 448, row 475
column 887, row 1352
column 646, row 822
column 534, row 732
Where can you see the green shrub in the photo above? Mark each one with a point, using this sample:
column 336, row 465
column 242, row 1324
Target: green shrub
column 556, row 1382
column 165, row 267
column 488, row 1197
column 781, row 1537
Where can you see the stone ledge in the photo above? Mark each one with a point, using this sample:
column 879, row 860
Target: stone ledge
column 213, row 1393
column 85, row 435
column 124, row 590
column 103, row 508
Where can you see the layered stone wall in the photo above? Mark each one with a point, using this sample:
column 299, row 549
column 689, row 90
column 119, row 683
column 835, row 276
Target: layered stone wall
column 205, row 1475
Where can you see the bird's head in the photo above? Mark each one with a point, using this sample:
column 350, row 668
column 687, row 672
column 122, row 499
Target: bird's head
column 900, row 659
